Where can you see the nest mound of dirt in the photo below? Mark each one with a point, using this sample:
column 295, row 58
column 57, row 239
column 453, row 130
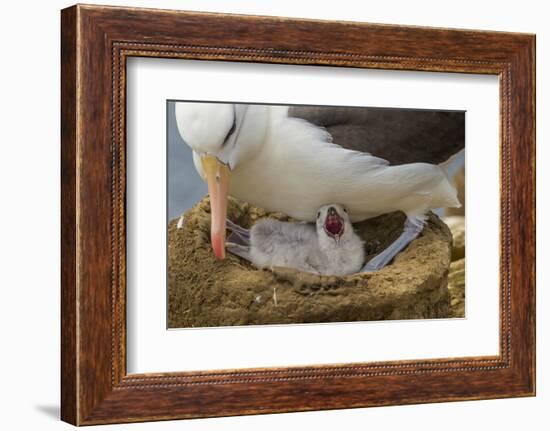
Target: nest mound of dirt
column 457, row 271
column 206, row 292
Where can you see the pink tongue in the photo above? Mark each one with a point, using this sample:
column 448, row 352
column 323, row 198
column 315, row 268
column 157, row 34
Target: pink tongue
column 333, row 225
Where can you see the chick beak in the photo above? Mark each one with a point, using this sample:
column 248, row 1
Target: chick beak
column 334, row 225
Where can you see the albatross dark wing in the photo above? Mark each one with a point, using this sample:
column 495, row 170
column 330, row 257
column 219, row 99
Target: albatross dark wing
column 397, row 135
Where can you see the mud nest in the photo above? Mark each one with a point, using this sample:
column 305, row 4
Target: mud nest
column 203, row 291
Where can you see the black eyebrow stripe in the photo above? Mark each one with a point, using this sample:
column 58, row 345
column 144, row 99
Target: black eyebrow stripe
column 233, row 126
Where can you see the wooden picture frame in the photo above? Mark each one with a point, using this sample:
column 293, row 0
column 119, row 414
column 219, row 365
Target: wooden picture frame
column 95, row 43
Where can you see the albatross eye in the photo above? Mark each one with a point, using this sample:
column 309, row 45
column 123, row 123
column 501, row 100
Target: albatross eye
column 345, row 210
column 319, row 214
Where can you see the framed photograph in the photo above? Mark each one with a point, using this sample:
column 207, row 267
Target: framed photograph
column 264, row 214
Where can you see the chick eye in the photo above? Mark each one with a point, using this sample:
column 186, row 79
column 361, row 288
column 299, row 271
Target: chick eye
column 345, row 210
column 319, row 214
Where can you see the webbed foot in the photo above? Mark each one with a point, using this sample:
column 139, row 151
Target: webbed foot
column 412, row 228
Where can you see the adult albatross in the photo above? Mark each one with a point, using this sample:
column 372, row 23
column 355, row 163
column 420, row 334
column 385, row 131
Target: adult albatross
column 297, row 159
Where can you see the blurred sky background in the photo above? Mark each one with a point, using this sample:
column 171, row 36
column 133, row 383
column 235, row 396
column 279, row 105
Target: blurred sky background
column 185, row 186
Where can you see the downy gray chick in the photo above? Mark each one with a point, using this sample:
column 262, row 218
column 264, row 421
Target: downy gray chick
column 330, row 247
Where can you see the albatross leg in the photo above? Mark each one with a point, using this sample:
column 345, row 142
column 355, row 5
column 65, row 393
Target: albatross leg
column 238, row 241
column 412, row 228
column 233, row 227
column 239, row 250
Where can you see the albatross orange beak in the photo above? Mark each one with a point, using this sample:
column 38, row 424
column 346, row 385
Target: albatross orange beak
column 217, row 178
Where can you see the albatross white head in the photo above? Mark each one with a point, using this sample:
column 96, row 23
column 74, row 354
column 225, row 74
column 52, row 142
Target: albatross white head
column 222, row 136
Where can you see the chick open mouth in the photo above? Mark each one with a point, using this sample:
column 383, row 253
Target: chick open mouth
column 334, row 224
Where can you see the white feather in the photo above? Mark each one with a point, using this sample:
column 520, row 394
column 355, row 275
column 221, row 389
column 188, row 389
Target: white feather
column 289, row 165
